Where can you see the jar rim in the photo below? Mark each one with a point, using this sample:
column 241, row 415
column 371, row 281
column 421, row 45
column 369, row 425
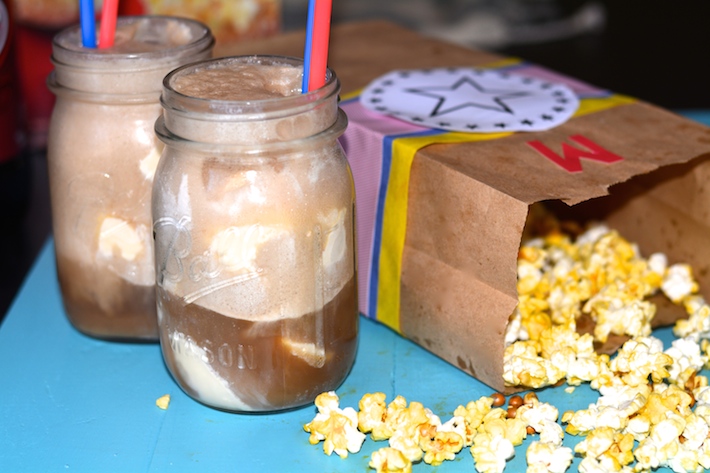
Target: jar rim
column 67, row 50
column 209, row 109
column 335, row 130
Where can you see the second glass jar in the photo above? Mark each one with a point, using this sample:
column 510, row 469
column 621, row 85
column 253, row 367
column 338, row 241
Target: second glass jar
column 253, row 220
column 102, row 154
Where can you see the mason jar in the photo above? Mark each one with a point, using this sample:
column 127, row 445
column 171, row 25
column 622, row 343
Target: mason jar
column 102, row 154
column 253, row 219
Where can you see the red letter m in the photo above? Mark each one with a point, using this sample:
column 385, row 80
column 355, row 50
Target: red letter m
column 570, row 159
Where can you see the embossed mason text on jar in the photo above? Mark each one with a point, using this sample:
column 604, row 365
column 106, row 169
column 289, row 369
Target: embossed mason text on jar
column 102, row 155
column 253, row 219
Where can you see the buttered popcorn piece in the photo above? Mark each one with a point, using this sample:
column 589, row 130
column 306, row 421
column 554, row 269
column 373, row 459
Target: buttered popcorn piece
column 373, row 410
column 678, row 282
column 607, row 447
column 336, row 427
column 522, row 366
column 687, row 360
column 443, row 445
column 697, row 325
column 390, row 460
column 491, row 453
column 473, row 414
column 543, row 457
column 662, row 444
column 641, row 358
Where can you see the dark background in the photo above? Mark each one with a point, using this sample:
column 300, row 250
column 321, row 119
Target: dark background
column 654, row 50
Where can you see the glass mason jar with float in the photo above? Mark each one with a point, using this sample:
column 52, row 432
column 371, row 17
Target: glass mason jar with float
column 102, row 154
column 253, row 218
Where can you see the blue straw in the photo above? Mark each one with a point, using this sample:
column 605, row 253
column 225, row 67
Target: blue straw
column 88, row 23
column 309, row 46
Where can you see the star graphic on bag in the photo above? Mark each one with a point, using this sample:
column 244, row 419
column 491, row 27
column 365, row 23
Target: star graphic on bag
column 466, row 92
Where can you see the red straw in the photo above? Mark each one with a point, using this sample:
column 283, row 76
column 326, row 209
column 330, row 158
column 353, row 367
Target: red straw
column 108, row 23
column 319, row 51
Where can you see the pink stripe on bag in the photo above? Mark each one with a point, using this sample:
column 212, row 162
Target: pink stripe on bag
column 363, row 147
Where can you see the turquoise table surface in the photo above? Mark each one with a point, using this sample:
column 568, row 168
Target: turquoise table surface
column 72, row 403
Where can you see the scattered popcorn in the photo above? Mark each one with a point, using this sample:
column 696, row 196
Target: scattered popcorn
column 336, row 427
column 687, row 360
column 611, row 449
column 697, row 325
column 372, row 412
column 524, row 367
column 490, row 453
column 641, row 358
column 678, row 282
column 542, row 417
column 163, row 401
column 390, row 460
column 653, row 408
column 443, row 445
column 473, row 415
column 543, row 457
column 662, row 444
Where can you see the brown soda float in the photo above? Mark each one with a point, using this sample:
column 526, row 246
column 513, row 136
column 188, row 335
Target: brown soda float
column 253, row 209
column 102, row 155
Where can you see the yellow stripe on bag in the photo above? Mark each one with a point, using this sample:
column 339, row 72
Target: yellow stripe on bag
column 394, row 222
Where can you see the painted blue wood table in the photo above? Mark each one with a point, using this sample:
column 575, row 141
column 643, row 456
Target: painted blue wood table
column 72, row 403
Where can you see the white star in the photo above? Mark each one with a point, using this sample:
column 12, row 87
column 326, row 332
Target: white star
column 466, row 92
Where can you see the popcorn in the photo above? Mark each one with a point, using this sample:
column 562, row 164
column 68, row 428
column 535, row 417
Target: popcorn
column 336, row 427
column 619, row 314
column 653, row 408
column 542, row 417
column 572, row 353
column 490, row 453
column 697, row 325
column 543, row 457
column 662, row 444
column 687, row 360
column 390, row 460
column 473, row 415
column 678, row 282
column 665, row 400
column 612, row 450
column 163, row 402
column 444, row 445
column 640, row 358
column 373, row 410
column 523, row 366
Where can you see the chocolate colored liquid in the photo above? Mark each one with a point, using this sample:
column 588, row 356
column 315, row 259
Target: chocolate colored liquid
column 244, row 365
column 104, row 305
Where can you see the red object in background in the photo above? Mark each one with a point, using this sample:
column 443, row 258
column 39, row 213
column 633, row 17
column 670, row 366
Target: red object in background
column 10, row 129
column 131, row 7
column 34, row 50
column 14, row 168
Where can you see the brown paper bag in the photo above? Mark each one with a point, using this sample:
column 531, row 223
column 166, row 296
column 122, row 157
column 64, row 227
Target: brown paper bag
column 468, row 202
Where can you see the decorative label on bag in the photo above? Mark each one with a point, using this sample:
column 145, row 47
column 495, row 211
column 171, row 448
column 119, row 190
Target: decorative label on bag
column 381, row 147
column 471, row 100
